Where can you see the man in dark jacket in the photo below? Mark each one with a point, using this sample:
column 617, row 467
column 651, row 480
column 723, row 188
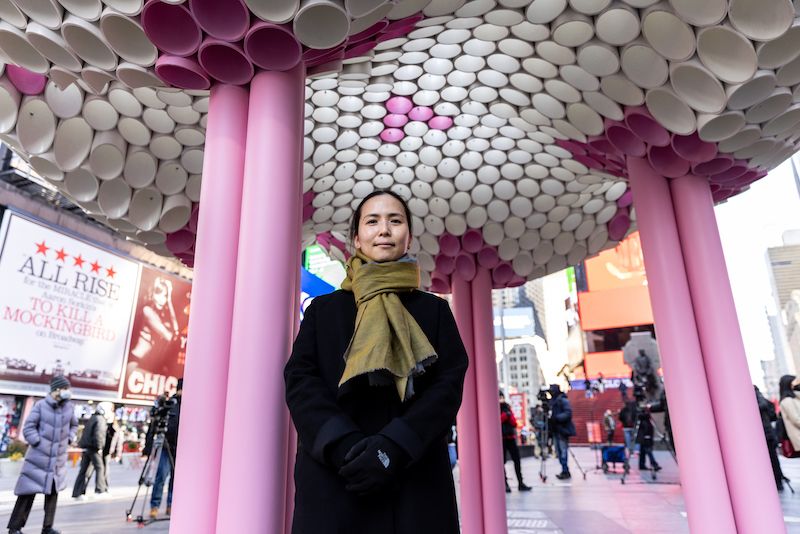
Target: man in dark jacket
column 561, row 427
column 92, row 441
column 768, row 416
column 627, row 417
column 508, row 425
column 166, row 461
column 645, row 437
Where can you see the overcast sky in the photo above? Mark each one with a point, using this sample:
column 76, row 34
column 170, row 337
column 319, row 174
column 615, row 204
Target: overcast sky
column 749, row 224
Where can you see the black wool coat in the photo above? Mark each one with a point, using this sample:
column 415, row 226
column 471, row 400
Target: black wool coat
column 422, row 500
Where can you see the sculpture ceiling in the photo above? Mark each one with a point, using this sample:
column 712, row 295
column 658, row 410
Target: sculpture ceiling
column 506, row 123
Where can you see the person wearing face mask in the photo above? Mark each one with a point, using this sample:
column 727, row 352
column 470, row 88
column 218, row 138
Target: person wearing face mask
column 49, row 429
column 373, row 385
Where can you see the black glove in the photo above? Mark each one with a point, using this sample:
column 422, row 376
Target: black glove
column 373, row 464
column 336, row 452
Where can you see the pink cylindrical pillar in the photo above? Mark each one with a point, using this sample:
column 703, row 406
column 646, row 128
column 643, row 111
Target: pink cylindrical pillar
column 198, row 468
column 756, row 506
column 469, row 461
column 253, row 486
column 702, row 474
column 492, row 475
column 292, row 437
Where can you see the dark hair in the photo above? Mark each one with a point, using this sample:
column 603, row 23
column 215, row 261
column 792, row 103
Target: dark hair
column 785, row 386
column 357, row 213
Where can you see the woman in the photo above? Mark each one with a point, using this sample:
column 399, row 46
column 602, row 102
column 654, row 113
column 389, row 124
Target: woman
column 790, row 408
column 160, row 327
column 373, row 384
column 49, row 429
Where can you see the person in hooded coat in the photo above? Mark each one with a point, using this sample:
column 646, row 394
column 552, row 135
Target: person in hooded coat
column 373, row 385
column 49, row 429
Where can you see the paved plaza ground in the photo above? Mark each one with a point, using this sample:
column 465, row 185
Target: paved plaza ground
column 600, row 504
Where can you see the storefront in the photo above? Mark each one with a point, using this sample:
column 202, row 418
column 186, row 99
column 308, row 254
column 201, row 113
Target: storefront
column 114, row 327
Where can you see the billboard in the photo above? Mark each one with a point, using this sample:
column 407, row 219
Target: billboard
column 65, row 308
column 621, row 266
column 157, row 353
column 618, row 295
column 513, row 322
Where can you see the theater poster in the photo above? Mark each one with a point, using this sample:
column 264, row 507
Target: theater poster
column 158, row 339
column 65, row 308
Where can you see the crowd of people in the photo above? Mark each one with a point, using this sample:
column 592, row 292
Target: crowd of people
column 52, row 427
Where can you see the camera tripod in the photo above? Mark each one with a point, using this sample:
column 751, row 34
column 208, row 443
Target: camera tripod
column 662, row 437
column 543, row 461
column 148, row 475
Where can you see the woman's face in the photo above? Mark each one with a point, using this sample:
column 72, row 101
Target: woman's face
column 383, row 233
column 159, row 295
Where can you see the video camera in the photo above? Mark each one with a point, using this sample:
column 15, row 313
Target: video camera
column 640, row 389
column 544, row 397
column 160, row 411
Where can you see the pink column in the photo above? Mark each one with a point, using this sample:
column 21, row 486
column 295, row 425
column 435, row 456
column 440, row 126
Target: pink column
column 253, row 484
column 702, row 473
column 752, row 487
column 292, row 433
column 206, row 373
column 469, row 462
column 491, row 446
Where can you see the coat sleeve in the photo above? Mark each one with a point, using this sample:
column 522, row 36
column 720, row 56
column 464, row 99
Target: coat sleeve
column 789, row 411
column 433, row 412
column 73, row 428
column 565, row 414
column 319, row 420
column 31, row 427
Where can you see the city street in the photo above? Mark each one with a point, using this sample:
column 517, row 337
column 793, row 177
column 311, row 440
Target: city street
column 600, row 504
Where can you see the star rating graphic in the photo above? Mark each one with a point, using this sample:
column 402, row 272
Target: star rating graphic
column 77, row 260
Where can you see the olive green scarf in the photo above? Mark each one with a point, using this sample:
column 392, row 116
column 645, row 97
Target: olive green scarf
column 387, row 344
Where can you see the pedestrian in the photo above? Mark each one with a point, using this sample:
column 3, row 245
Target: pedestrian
column 623, row 390
column 561, row 428
column 627, row 418
column 373, row 385
column 790, row 408
column 113, row 438
column 508, row 428
column 610, row 425
column 768, row 416
column 645, row 437
column 93, row 441
column 49, row 429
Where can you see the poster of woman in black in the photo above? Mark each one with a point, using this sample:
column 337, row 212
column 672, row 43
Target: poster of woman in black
column 158, row 341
